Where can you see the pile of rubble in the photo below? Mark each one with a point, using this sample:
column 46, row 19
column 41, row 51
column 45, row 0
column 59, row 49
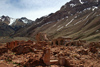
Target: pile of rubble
column 59, row 52
column 27, row 54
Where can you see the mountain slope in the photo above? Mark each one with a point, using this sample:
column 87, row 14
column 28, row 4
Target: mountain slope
column 6, row 30
column 78, row 19
column 15, row 23
column 8, row 25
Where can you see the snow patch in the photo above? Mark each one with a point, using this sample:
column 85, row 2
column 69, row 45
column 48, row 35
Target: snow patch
column 62, row 19
column 46, row 23
column 59, row 25
column 81, row 2
column 3, row 19
column 97, row 30
column 66, row 16
column 86, row 23
column 80, row 12
column 87, row 16
column 94, row 7
column 78, row 22
column 71, row 14
column 98, row 15
column 72, row 5
column 12, row 20
column 54, row 25
column 87, row 9
column 75, row 16
column 60, row 28
column 69, row 22
column 25, row 21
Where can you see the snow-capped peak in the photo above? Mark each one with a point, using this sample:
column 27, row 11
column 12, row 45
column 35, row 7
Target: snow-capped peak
column 12, row 20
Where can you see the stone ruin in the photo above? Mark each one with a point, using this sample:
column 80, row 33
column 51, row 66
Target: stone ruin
column 61, row 41
column 43, row 52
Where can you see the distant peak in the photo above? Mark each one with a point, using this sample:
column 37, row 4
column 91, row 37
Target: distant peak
column 23, row 18
column 3, row 16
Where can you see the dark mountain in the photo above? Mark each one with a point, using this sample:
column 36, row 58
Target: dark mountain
column 5, row 19
column 6, row 30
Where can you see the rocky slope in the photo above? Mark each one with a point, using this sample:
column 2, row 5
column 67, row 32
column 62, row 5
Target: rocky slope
column 6, row 30
column 78, row 19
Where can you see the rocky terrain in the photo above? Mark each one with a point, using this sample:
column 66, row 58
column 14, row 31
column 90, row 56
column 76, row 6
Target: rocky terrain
column 43, row 53
column 73, row 38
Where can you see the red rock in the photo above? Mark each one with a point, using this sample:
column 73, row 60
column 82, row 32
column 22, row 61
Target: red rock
column 83, row 52
column 46, row 56
column 5, row 65
column 3, row 50
column 54, row 42
column 67, row 63
column 61, row 61
column 16, row 43
column 53, row 62
column 29, row 41
column 34, row 62
column 38, row 37
column 93, row 50
column 45, row 37
column 22, row 49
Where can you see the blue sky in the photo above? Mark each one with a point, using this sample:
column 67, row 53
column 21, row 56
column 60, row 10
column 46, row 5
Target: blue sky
column 31, row 9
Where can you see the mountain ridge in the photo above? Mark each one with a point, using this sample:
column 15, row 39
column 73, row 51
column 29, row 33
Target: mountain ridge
column 15, row 23
column 78, row 19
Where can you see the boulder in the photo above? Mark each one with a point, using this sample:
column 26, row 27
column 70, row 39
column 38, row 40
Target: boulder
column 22, row 49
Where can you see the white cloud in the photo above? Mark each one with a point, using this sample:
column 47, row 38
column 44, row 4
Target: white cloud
column 31, row 9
